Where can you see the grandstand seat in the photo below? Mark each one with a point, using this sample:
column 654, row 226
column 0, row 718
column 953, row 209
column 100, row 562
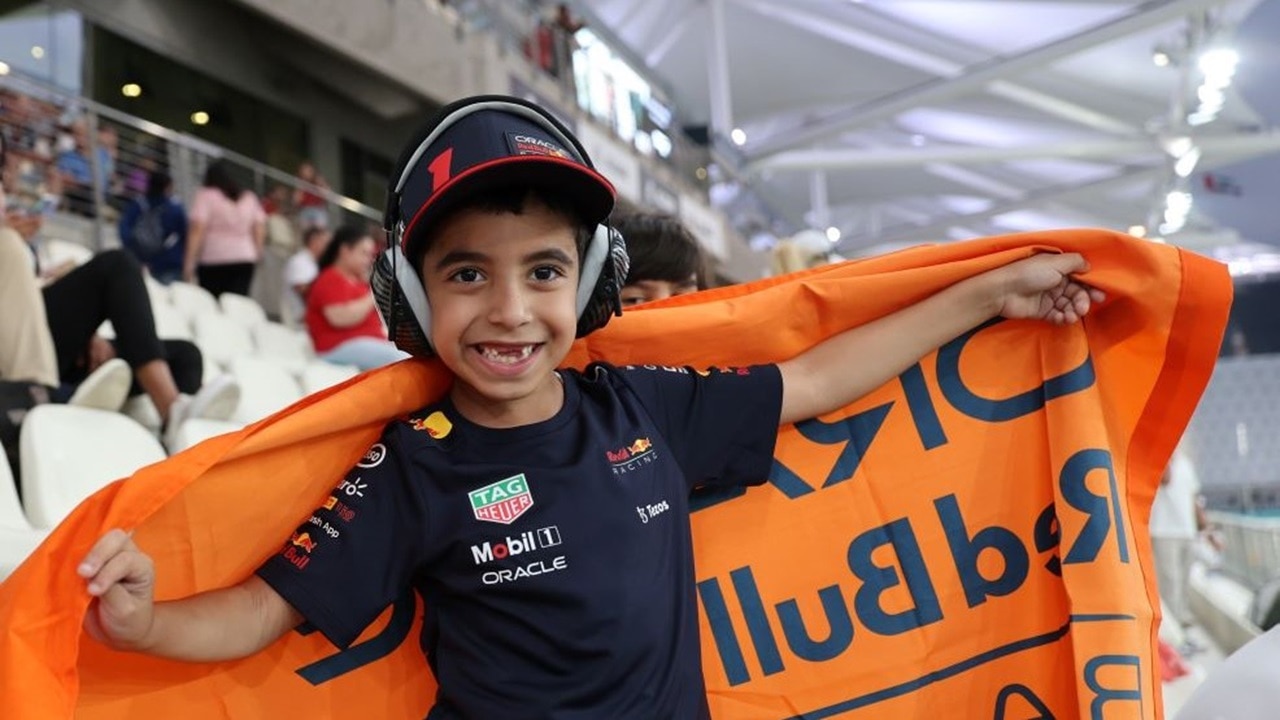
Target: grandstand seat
column 197, row 430
column 17, row 537
column 171, row 324
column 55, row 252
column 68, row 453
column 282, row 343
column 243, row 310
column 192, row 300
column 144, row 412
column 221, row 340
column 266, row 386
column 157, row 291
column 318, row 375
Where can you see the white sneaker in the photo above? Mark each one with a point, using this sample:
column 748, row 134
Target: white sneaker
column 106, row 388
column 217, row 400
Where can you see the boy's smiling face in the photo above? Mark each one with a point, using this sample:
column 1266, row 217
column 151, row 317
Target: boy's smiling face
column 503, row 291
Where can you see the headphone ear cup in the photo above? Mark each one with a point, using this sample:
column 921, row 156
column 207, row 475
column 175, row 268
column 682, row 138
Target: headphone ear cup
column 395, row 286
column 605, row 299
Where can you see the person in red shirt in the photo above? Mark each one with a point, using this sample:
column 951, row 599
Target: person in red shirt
column 341, row 318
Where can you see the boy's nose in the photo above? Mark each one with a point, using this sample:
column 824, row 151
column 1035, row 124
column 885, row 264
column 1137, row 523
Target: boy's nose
column 509, row 306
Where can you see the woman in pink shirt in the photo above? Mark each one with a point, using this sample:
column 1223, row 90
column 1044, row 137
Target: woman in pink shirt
column 227, row 229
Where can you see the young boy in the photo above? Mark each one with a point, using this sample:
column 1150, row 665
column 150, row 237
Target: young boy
column 665, row 259
column 541, row 513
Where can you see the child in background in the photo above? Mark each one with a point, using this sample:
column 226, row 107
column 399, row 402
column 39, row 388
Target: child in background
column 665, row 258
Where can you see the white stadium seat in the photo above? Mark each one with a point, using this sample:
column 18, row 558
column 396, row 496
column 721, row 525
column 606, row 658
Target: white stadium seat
column 283, row 344
column 243, row 310
column 171, row 324
column 221, row 339
column 192, row 300
column 197, row 430
column 68, row 453
column 318, row 375
column 55, row 252
column 158, row 291
column 17, row 537
column 265, row 386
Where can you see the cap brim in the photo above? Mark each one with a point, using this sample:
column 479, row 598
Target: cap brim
column 588, row 190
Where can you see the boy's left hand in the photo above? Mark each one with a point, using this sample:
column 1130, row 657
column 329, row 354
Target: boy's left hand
column 1041, row 287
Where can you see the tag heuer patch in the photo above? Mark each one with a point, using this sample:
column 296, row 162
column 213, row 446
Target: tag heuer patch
column 503, row 501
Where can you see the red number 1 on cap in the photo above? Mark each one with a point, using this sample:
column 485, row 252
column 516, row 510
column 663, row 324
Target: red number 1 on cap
column 440, row 169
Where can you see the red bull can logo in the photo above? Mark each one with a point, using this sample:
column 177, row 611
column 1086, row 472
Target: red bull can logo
column 304, row 541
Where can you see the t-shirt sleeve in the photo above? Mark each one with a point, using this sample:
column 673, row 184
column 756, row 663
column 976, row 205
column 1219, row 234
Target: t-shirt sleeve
column 356, row 553
column 297, row 271
column 721, row 424
column 200, row 207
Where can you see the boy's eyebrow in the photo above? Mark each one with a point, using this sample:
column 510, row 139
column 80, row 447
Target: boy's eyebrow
column 457, row 257
column 553, row 254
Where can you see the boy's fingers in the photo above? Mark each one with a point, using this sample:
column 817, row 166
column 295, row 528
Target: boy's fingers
column 123, row 566
column 107, row 546
column 1069, row 263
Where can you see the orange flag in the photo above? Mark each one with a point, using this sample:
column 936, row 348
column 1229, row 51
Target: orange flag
column 967, row 541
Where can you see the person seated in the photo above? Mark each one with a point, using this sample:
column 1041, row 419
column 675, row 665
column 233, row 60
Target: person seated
column 65, row 356
column 299, row 272
column 341, row 316
column 665, row 258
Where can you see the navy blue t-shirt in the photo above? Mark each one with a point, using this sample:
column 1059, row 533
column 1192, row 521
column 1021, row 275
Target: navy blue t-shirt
column 555, row 560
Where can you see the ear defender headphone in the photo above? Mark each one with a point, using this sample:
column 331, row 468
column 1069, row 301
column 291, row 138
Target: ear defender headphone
column 398, row 288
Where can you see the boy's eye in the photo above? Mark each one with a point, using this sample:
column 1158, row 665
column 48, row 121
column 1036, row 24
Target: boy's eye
column 544, row 273
column 466, row 275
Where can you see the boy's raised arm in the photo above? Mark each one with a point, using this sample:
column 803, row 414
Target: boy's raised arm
column 846, row 367
column 224, row 624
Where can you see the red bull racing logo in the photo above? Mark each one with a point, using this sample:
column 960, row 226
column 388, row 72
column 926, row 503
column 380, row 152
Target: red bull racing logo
column 639, row 452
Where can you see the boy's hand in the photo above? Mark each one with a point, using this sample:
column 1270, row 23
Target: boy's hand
column 1041, row 288
column 122, row 579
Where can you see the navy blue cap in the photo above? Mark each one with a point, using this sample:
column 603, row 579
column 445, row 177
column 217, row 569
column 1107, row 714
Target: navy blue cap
column 500, row 142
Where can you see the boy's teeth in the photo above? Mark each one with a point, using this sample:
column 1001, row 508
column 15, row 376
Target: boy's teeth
column 508, row 356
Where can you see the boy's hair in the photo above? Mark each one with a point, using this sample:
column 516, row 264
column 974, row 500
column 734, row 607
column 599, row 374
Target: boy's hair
column 345, row 236
column 514, row 199
column 660, row 248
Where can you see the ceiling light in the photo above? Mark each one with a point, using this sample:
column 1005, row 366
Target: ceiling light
column 700, row 173
column 1186, row 164
column 131, row 90
column 1137, row 231
column 833, row 233
column 200, row 117
column 739, row 136
column 1161, row 58
column 37, row 52
column 1219, row 62
column 1178, row 146
column 4, row 68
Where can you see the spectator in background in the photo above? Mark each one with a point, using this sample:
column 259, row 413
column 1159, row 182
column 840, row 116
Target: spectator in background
column 226, row 235
column 341, row 316
column 1176, row 522
column 299, row 272
column 75, row 170
column 312, row 208
column 665, row 258
column 107, row 287
column 154, row 229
